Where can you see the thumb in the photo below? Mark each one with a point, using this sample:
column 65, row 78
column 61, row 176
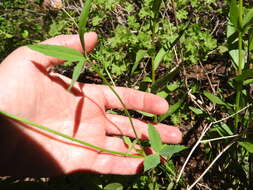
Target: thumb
column 71, row 41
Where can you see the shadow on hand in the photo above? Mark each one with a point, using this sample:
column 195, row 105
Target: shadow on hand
column 23, row 156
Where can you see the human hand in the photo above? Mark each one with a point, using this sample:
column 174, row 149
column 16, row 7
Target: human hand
column 32, row 92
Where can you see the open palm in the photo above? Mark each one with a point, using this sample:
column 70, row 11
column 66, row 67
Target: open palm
column 34, row 93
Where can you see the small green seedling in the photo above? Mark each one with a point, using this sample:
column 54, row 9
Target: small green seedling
column 161, row 150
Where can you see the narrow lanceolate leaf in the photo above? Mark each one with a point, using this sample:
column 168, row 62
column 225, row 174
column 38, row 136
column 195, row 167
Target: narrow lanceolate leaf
column 173, row 108
column 151, row 161
column 163, row 81
column 159, row 57
column 60, row 52
column 169, row 150
column 155, row 139
column 83, row 21
column 76, row 73
column 139, row 55
column 197, row 111
column 248, row 145
column 213, row 98
column 234, row 12
column 251, row 40
column 156, row 6
column 248, row 19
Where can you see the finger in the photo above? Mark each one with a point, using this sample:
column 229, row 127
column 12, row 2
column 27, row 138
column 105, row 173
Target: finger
column 120, row 125
column 135, row 100
column 114, row 164
column 71, row 41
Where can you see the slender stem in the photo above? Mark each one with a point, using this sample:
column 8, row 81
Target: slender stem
column 119, row 98
column 240, row 64
column 240, row 13
column 219, row 138
column 122, row 103
column 237, row 104
column 66, row 136
column 109, row 75
column 153, row 71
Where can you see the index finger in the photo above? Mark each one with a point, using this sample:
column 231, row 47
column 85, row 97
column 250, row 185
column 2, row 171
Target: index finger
column 134, row 100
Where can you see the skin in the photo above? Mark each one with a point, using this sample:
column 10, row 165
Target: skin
column 31, row 91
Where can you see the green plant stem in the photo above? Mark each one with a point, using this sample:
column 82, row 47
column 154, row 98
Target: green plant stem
column 240, row 64
column 153, row 72
column 237, row 104
column 122, row 103
column 109, row 75
column 119, row 98
column 66, row 136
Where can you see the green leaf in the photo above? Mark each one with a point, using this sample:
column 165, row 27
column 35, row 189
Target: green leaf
column 245, row 74
column 248, row 19
column 248, row 145
column 76, row 73
column 60, row 52
column 155, row 139
column 222, row 129
column 147, row 79
column 127, row 141
column 234, row 12
column 139, row 55
column 235, row 57
column 213, row 98
column 247, row 82
column 146, row 114
column 173, row 108
column 163, row 94
column 169, row 150
column 251, row 40
column 159, row 57
column 172, row 87
column 232, row 34
column 156, row 6
column 197, row 111
column 83, row 21
column 113, row 186
column 226, row 128
column 163, row 81
column 151, row 161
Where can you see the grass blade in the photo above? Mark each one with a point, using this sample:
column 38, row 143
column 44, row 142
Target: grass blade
column 83, row 21
column 76, row 73
column 213, row 98
column 49, row 130
column 60, row 52
column 162, row 82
